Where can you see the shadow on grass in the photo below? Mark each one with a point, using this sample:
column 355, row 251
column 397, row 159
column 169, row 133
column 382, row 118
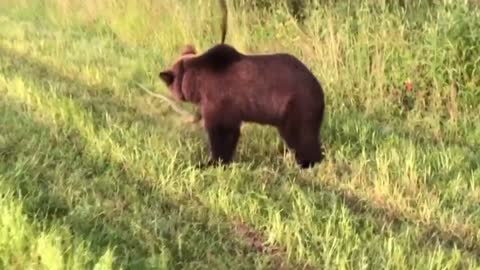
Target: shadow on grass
column 385, row 129
column 106, row 204
column 381, row 133
column 432, row 235
column 97, row 99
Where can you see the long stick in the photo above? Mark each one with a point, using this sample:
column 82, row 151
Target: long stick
column 166, row 99
column 223, row 5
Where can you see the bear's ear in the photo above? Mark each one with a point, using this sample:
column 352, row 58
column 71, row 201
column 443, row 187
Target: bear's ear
column 167, row 77
column 189, row 49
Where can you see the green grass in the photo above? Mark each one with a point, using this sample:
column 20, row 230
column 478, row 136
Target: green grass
column 95, row 174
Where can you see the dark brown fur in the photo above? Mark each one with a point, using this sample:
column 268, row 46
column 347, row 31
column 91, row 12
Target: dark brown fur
column 230, row 88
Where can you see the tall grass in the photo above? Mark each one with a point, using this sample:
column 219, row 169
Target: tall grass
column 94, row 173
column 24, row 245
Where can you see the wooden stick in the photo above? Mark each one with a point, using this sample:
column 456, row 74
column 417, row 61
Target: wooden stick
column 166, row 99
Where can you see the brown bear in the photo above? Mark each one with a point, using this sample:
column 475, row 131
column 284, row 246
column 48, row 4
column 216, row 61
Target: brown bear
column 231, row 87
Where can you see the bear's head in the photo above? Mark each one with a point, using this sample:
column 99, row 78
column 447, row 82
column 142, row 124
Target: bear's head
column 174, row 77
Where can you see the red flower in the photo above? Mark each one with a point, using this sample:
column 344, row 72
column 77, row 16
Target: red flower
column 409, row 86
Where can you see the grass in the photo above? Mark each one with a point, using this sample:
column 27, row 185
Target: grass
column 94, row 174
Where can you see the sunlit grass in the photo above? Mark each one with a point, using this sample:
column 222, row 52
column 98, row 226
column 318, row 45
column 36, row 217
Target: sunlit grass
column 94, row 171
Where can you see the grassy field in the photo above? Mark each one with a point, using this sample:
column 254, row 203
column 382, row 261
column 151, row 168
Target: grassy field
column 96, row 174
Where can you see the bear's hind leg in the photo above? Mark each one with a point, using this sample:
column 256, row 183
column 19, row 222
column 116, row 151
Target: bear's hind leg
column 304, row 140
column 309, row 153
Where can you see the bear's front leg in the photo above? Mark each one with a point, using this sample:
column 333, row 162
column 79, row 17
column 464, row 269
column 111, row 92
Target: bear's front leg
column 222, row 124
column 223, row 141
